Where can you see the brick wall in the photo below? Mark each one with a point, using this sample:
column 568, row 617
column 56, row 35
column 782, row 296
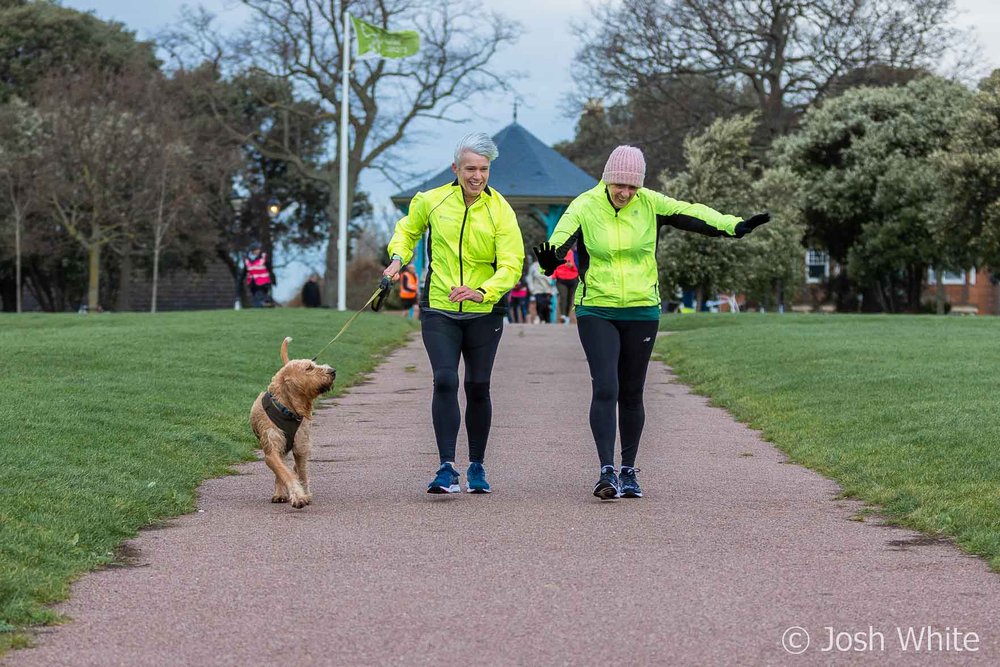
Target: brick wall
column 211, row 290
column 982, row 295
column 180, row 290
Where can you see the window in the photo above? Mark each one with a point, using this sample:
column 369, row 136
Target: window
column 817, row 266
column 952, row 277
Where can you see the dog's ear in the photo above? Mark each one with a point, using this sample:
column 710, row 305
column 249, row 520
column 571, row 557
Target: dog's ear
column 284, row 350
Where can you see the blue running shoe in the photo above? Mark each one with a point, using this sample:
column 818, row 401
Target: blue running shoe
column 446, row 480
column 629, row 484
column 475, row 479
column 607, row 486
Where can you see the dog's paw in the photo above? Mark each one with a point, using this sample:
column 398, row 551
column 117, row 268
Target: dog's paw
column 299, row 502
column 279, row 499
column 308, row 498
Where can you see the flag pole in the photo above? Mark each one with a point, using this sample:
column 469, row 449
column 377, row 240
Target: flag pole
column 342, row 209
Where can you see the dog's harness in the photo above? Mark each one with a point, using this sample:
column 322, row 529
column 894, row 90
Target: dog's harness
column 283, row 418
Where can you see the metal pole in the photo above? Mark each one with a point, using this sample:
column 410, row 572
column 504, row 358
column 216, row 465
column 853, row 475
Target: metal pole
column 342, row 209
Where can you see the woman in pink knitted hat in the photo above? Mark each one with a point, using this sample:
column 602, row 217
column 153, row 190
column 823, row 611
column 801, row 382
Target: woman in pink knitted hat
column 614, row 228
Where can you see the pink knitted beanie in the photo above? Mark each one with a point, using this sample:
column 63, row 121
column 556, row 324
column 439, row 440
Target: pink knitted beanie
column 625, row 166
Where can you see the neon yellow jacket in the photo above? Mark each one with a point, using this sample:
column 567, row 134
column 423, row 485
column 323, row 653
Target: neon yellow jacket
column 479, row 246
column 616, row 250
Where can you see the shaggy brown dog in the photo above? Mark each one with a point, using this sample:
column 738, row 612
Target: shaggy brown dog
column 281, row 418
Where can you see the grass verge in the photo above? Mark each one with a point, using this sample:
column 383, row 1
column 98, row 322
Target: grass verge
column 110, row 423
column 899, row 410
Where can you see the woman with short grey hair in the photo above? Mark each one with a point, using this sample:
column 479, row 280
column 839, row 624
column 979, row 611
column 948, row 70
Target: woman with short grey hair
column 479, row 143
column 476, row 255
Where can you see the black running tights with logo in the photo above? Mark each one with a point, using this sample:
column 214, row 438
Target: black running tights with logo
column 618, row 353
column 475, row 340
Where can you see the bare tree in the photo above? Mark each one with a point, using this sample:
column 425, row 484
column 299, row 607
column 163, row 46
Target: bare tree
column 94, row 148
column 20, row 128
column 172, row 192
column 300, row 42
column 787, row 53
column 216, row 163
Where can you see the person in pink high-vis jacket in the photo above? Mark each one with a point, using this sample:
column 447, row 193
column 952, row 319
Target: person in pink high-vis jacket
column 567, row 278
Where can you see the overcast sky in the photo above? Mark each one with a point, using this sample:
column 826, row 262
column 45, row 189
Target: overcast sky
column 544, row 52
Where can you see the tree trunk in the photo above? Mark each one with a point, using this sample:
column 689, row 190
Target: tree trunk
column 124, row 300
column 939, row 294
column 156, row 272
column 159, row 231
column 881, row 296
column 17, row 255
column 93, row 277
column 39, row 289
column 915, row 287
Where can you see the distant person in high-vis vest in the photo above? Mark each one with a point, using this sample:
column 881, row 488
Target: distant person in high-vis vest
column 476, row 255
column 258, row 276
column 408, row 289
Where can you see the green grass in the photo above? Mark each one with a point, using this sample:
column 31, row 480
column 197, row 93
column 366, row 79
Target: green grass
column 110, row 422
column 901, row 411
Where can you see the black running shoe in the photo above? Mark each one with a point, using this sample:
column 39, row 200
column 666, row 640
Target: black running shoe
column 607, row 486
column 629, row 484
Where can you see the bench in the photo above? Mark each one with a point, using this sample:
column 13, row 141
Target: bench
column 964, row 310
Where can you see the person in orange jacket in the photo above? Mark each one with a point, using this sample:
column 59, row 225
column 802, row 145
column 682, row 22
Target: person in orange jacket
column 408, row 288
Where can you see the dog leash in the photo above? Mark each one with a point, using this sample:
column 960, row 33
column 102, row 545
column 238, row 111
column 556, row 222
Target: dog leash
column 375, row 301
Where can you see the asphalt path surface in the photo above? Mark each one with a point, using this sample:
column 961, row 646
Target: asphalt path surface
column 732, row 550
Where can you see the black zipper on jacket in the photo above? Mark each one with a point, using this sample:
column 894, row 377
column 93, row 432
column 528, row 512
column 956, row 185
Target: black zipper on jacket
column 461, row 269
column 583, row 281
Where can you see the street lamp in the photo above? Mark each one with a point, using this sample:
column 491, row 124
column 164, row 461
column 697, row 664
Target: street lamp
column 273, row 208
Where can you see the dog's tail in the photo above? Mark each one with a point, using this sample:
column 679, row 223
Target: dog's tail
column 284, row 349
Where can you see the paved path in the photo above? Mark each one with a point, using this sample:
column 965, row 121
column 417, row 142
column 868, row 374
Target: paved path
column 730, row 548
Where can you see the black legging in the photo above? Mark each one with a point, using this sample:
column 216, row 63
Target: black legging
column 475, row 340
column 543, row 306
column 567, row 290
column 618, row 354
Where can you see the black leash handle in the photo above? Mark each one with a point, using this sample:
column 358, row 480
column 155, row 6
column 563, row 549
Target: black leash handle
column 384, row 287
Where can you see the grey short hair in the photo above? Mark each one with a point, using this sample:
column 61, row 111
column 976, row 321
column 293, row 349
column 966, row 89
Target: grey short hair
column 478, row 143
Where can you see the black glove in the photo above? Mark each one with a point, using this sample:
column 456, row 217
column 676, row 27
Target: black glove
column 744, row 227
column 545, row 253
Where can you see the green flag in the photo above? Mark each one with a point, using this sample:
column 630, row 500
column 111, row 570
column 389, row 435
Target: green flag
column 384, row 43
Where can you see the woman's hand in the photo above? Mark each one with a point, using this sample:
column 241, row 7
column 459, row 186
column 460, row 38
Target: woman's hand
column 393, row 268
column 545, row 254
column 744, row 227
column 465, row 293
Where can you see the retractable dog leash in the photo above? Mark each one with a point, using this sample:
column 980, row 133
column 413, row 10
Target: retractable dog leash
column 375, row 301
